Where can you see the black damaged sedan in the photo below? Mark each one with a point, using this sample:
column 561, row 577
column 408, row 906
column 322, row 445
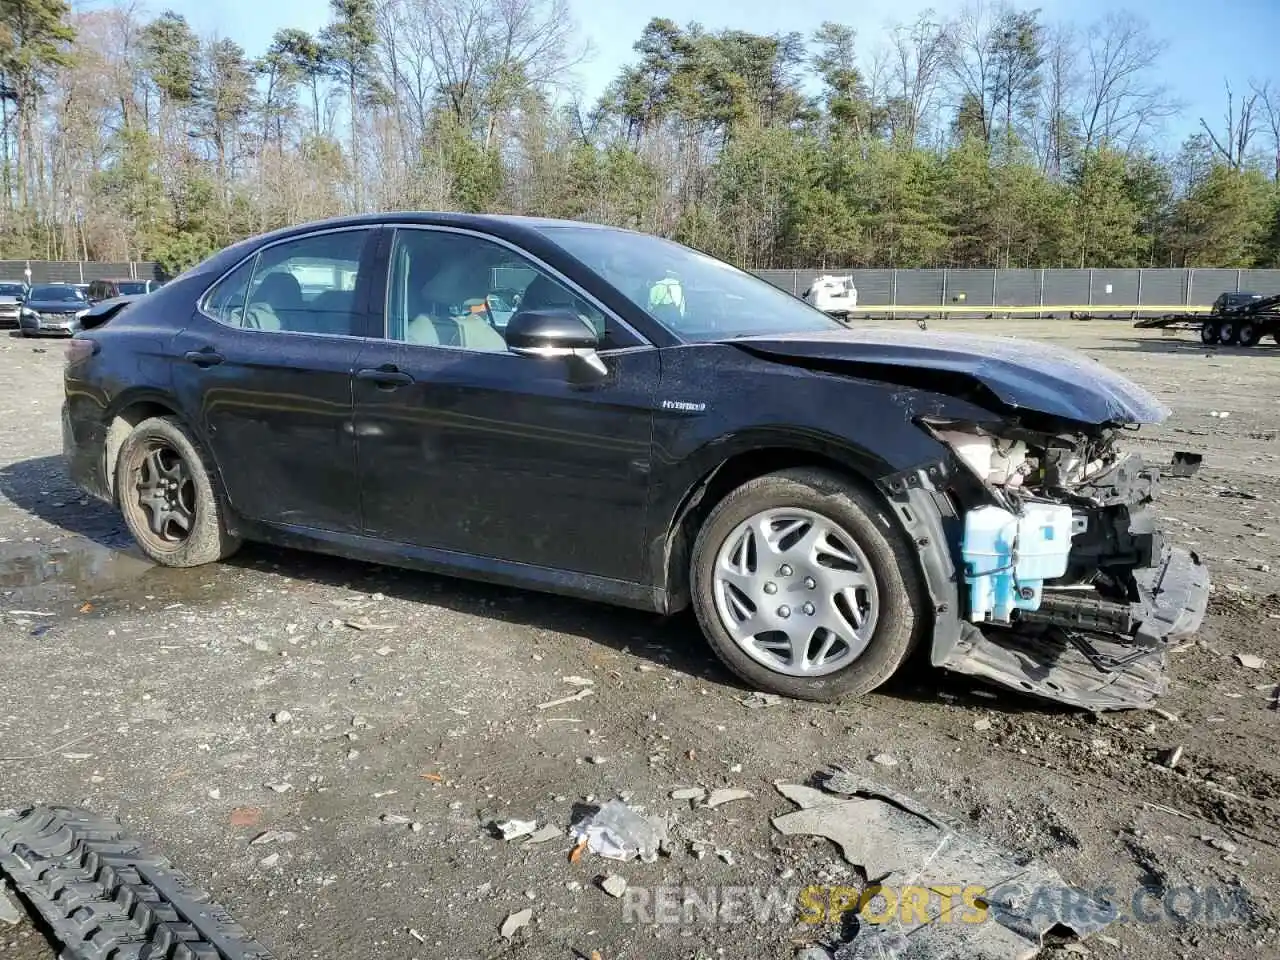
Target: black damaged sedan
column 604, row 414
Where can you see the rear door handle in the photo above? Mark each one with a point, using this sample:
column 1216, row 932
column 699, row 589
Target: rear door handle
column 385, row 376
column 205, row 357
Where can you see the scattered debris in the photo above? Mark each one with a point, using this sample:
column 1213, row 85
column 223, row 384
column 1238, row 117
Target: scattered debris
column 982, row 724
column 726, row 856
column 543, row 834
column 757, row 700
column 273, row 836
column 269, row 861
column 580, row 695
column 688, row 793
column 613, row 885
column 281, row 716
column 726, row 795
column 515, row 829
column 1234, row 860
column 282, row 787
column 813, row 953
column 516, row 921
column 884, row 760
column 1170, row 758
column 1226, row 846
column 395, row 819
column 9, row 912
column 579, row 681
column 1251, row 661
column 899, row 842
column 246, row 816
column 617, row 832
column 1161, row 712
column 417, row 936
column 576, row 853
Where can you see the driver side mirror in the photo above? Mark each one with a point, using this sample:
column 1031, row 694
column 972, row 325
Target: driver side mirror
column 554, row 333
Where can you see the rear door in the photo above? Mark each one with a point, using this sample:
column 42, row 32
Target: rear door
column 265, row 368
column 465, row 447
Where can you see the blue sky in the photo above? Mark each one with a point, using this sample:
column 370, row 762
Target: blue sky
column 1208, row 40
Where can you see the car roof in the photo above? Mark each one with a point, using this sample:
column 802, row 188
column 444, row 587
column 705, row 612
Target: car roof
column 500, row 224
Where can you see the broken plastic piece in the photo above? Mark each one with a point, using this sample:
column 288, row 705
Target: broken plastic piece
column 616, row 832
column 899, row 843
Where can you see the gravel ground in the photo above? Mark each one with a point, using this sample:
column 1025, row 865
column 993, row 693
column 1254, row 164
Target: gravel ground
column 160, row 697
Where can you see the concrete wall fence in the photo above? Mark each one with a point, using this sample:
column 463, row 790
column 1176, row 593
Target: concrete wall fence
column 1147, row 290
column 1152, row 290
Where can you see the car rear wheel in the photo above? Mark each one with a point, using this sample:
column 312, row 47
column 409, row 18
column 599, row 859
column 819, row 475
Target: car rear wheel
column 1247, row 334
column 1209, row 331
column 805, row 586
column 168, row 495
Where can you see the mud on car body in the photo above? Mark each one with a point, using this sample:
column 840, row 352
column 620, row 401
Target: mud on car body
column 825, row 499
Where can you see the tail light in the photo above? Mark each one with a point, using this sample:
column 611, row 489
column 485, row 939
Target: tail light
column 78, row 350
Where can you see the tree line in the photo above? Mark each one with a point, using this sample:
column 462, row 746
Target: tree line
column 993, row 138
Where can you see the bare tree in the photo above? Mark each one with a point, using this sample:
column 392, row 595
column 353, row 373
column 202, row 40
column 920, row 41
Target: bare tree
column 919, row 53
column 1233, row 146
column 1122, row 102
column 1061, row 81
column 969, row 62
column 1269, row 103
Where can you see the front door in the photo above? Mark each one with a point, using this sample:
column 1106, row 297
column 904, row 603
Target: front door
column 465, row 447
column 264, row 368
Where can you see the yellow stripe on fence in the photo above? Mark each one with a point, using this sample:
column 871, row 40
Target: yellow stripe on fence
column 1032, row 308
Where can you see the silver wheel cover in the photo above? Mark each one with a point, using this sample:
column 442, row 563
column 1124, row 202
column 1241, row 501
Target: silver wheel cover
column 795, row 592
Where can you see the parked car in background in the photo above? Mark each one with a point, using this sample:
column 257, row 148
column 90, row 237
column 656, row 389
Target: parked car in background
column 12, row 294
column 100, row 290
column 834, row 296
column 52, row 308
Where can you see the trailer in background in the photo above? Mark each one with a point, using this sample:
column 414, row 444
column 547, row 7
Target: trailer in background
column 1237, row 319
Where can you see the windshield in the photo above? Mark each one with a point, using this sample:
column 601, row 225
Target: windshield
column 130, row 287
column 11, row 290
column 56, row 292
column 693, row 295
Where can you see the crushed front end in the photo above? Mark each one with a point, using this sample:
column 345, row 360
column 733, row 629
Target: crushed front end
column 1054, row 579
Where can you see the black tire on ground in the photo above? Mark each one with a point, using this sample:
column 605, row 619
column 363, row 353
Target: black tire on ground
column 1228, row 331
column 890, row 554
column 1247, row 334
column 207, row 539
column 1209, row 331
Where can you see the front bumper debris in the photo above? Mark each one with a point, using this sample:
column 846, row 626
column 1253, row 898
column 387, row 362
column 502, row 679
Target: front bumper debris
column 1088, row 668
column 1077, row 648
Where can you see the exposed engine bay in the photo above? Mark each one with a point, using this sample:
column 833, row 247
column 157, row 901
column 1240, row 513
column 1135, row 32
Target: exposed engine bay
column 1058, row 546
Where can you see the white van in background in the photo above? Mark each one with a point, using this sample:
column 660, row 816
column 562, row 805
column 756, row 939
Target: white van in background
column 835, row 296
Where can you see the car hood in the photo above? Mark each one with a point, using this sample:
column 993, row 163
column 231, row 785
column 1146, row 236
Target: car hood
column 1021, row 374
column 56, row 306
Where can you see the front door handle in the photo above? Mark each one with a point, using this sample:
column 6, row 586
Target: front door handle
column 387, row 376
column 204, row 357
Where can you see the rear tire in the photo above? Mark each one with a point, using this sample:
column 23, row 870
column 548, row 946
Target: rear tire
column 167, row 490
column 1247, row 335
column 1209, row 332
column 808, row 578
column 1228, row 332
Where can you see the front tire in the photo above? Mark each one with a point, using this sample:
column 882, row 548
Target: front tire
column 805, row 586
column 168, row 494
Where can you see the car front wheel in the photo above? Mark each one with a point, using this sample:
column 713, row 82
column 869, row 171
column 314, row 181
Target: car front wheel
column 805, row 586
column 169, row 497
